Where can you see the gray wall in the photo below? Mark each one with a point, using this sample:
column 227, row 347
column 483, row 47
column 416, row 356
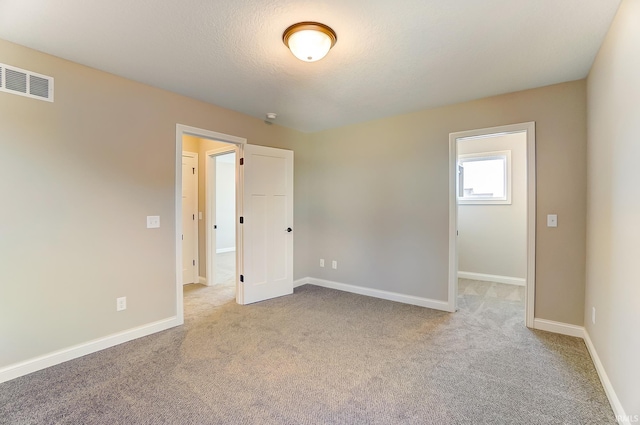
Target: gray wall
column 493, row 237
column 78, row 178
column 613, row 226
column 379, row 196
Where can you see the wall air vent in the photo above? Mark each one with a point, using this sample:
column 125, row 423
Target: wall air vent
column 25, row 83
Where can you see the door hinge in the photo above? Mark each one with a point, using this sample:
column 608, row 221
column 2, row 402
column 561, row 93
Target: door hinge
column 194, row 262
column 182, row 237
column 193, row 216
column 242, row 278
column 241, row 161
column 241, row 220
column 194, row 170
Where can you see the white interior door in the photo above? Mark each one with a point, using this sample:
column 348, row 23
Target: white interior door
column 267, row 229
column 189, row 218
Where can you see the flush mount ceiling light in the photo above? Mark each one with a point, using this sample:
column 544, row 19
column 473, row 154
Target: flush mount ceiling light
column 309, row 41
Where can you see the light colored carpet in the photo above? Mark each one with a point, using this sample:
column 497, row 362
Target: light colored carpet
column 201, row 299
column 226, row 267
column 322, row 356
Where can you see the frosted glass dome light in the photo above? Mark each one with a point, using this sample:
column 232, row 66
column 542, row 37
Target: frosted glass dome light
column 309, row 41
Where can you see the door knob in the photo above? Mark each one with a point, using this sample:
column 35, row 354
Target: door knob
column 289, row 229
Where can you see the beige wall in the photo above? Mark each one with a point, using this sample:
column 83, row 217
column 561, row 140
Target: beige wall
column 190, row 144
column 78, row 178
column 613, row 211
column 379, row 196
column 493, row 238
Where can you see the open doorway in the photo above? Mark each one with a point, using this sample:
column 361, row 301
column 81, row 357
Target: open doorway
column 492, row 220
column 209, row 201
column 221, row 217
column 264, row 219
column 492, row 223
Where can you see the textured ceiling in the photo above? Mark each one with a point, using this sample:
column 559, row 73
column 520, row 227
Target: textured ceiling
column 390, row 58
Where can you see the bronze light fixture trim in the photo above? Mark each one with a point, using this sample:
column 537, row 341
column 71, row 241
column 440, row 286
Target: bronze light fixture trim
column 309, row 41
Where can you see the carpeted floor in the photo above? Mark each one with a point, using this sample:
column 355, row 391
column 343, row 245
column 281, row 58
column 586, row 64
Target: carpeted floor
column 322, row 356
column 225, row 267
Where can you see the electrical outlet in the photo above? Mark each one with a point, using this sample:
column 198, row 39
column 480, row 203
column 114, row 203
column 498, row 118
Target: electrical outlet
column 593, row 315
column 322, row 262
column 334, row 264
column 121, row 303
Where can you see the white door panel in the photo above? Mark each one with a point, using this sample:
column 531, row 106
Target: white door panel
column 268, row 214
column 280, row 237
column 256, row 234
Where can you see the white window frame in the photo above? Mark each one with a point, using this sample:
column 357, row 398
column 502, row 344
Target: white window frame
column 487, row 200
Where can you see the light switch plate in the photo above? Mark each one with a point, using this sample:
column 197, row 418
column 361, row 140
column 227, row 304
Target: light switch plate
column 121, row 303
column 552, row 220
column 153, row 221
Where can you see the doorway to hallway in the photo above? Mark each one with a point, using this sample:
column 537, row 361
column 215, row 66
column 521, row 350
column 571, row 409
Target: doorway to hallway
column 221, row 183
column 209, row 219
column 263, row 218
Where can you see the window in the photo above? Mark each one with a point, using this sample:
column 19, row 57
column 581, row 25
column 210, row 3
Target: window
column 484, row 178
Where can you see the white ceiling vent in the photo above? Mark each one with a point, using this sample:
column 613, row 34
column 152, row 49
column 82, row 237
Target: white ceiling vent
column 25, row 83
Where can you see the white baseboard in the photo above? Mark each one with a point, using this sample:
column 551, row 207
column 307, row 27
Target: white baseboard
column 300, row 282
column 70, row 353
column 221, row 250
column 202, row 280
column 618, row 410
column 558, row 327
column 581, row 332
column 493, row 278
column 377, row 293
